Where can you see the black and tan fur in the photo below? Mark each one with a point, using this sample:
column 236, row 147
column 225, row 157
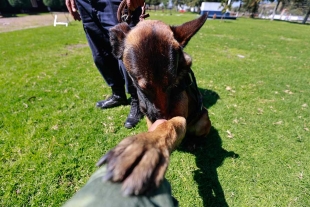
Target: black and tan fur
column 153, row 55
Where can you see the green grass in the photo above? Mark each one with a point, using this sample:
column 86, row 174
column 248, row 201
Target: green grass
column 255, row 78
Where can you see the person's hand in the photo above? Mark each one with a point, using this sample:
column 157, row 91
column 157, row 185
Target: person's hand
column 156, row 123
column 71, row 6
column 133, row 4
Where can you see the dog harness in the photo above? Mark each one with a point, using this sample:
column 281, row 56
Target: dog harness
column 189, row 85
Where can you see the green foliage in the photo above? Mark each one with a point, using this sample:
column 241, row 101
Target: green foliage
column 54, row 4
column 252, row 6
column 301, row 7
column 153, row 2
column 194, row 3
column 225, row 5
column 254, row 76
column 22, row 4
column 187, row 2
column 3, row 4
column 301, row 3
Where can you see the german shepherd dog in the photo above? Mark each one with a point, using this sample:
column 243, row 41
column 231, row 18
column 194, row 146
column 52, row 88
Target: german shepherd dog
column 161, row 71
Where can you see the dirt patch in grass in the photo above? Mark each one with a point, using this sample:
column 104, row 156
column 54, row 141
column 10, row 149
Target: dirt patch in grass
column 8, row 24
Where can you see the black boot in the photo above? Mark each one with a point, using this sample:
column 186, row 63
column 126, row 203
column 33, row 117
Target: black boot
column 118, row 98
column 135, row 115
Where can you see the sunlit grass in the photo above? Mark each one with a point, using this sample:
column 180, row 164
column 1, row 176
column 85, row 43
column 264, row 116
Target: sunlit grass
column 255, row 78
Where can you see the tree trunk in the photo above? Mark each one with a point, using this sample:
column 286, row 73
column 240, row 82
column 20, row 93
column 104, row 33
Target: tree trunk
column 283, row 5
column 274, row 11
column 306, row 17
column 254, row 9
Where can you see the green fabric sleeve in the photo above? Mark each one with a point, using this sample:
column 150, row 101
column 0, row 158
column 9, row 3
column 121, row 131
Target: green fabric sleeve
column 97, row 193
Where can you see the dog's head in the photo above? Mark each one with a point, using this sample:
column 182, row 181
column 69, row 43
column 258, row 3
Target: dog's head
column 153, row 54
column 182, row 34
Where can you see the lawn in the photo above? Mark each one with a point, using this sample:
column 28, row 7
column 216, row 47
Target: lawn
column 255, row 78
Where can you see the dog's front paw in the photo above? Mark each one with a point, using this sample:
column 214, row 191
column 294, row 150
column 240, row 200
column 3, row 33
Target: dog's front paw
column 137, row 162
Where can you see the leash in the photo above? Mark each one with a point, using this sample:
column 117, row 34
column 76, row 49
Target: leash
column 122, row 16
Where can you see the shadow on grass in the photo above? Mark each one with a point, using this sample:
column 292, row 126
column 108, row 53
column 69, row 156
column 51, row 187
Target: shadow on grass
column 209, row 97
column 209, row 156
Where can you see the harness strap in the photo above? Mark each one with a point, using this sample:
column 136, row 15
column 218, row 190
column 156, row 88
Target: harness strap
column 189, row 85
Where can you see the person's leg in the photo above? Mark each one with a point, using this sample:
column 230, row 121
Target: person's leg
column 107, row 17
column 98, row 39
column 97, row 193
column 135, row 115
column 98, row 17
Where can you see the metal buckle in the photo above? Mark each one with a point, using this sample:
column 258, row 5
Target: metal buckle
column 124, row 17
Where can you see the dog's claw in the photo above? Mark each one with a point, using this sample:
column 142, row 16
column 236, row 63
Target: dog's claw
column 103, row 159
column 127, row 191
column 132, row 162
column 107, row 176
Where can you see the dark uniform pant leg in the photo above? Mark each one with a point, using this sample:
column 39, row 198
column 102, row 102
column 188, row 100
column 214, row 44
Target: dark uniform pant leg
column 98, row 16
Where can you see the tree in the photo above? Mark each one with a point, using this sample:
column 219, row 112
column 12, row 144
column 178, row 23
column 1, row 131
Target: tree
column 252, row 6
column 3, row 4
column 20, row 4
column 306, row 16
column 276, row 8
column 226, row 4
column 153, row 2
column 306, row 5
column 54, row 4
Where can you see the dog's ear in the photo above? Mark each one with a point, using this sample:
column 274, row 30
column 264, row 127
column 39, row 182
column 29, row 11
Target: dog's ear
column 184, row 32
column 117, row 37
